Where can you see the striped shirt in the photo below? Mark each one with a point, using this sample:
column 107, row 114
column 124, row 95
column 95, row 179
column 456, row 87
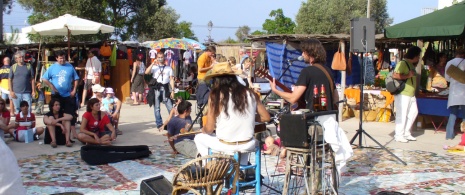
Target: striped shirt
column 25, row 122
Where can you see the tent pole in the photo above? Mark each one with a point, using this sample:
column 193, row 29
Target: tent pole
column 69, row 44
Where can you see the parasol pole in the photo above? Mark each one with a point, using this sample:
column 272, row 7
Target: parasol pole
column 69, row 44
column 38, row 57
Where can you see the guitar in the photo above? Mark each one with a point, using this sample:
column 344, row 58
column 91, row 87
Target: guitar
column 263, row 73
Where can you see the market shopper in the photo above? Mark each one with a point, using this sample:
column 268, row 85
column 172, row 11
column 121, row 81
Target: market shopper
column 21, row 81
column 204, row 63
column 405, row 102
column 456, row 100
column 63, row 80
column 4, row 83
column 164, row 91
column 137, row 80
column 92, row 74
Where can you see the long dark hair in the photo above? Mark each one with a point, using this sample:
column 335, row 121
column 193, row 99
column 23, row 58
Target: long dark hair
column 51, row 103
column 315, row 49
column 226, row 87
column 91, row 103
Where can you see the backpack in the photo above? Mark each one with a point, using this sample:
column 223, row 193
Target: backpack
column 28, row 66
column 395, row 86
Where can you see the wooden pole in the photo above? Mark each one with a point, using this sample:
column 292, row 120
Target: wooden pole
column 343, row 83
column 69, row 45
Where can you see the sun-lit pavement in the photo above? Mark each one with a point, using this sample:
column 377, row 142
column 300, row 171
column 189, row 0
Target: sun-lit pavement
column 371, row 170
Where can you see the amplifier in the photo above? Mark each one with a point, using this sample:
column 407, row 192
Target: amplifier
column 294, row 131
column 156, row 186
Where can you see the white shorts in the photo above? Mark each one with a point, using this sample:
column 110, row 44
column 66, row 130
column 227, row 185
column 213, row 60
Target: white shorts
column 21, row 134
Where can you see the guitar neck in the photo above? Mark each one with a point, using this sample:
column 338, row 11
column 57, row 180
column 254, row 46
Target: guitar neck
column 279, row 84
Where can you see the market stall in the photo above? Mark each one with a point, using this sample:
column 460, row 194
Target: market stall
column 444, row 29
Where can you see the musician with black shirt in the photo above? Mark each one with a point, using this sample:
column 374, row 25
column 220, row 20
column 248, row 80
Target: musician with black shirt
column 314, row 54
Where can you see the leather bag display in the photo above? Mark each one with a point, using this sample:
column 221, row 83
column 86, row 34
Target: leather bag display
column 339, row 60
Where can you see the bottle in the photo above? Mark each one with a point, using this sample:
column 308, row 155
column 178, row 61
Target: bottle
column 316, row 99
column 323, row 100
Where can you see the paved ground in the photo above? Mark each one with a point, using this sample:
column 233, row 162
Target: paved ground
column 137, row 124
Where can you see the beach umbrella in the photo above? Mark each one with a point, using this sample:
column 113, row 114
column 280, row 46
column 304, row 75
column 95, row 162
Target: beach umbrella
column 195, row 44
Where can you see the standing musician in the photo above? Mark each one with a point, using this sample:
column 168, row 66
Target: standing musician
column 313, row 53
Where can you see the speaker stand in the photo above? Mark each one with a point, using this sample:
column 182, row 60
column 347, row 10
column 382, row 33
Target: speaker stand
column 360, row 130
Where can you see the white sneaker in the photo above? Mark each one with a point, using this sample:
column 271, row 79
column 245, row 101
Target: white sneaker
column 402, row 140
column 411, row 138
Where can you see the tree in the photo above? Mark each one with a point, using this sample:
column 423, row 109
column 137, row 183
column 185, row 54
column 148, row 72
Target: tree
column 242, row 33
column 280, row 24
column 185, row 30
column 13, row 39
column 257, row 32
column 132, row 19
column 229, row 40
column 333, row 16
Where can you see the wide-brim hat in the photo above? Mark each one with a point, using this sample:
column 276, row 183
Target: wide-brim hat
column 221, row 69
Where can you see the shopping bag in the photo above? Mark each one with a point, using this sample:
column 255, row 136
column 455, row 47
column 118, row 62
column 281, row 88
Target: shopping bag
column 339, row 60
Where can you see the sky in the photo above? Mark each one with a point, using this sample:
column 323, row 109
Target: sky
column 227, row 15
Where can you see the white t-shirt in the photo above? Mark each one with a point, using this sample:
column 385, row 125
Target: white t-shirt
column 93, row 65
column 231, row 130
column 153, row 53
column 169, row 54
column 456, row 89
column 165, row 71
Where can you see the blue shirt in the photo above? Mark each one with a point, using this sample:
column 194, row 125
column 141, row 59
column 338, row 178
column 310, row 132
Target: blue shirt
column 62, row 77
column 176, row 124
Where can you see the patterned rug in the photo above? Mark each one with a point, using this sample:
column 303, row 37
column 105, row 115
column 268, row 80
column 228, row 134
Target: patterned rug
column 369, row 171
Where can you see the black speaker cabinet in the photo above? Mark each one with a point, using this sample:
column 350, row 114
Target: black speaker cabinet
column 362, row 35
column 294, row 131
column 156, row 186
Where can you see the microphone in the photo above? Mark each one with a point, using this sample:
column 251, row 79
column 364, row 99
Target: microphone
column 300, row 58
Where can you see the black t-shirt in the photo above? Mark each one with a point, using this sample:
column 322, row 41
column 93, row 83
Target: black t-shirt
column 59, row 135
column 311, row 76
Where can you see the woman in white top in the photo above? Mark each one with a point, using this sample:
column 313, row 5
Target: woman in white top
column 232, row 109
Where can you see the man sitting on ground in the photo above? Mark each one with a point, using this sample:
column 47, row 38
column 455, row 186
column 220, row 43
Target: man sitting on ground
column 180, row 124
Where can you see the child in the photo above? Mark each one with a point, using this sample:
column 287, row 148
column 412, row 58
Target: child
column 112, row 106
column 25, row 121
column 271, row 147
column 461, row 145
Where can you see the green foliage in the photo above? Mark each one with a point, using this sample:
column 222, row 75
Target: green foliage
column 14, row 37
column 242, row 33
column 333, row 16
column 257, row 32
column 185, row 30
column 280, row 24
column 132, row 19
column 229, row 40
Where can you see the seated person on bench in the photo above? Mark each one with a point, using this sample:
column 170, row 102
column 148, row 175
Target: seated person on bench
column 232, row 108
column 180, row 124
column 95, row 126
column 25, row 121
column 58, row 125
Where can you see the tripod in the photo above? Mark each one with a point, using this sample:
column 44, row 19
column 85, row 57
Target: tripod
column 360, row 130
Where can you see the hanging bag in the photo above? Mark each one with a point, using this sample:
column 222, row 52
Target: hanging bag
column 456, row 73
column 339, row 60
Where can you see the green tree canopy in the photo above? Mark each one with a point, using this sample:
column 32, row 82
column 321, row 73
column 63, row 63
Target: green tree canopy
column 280, row 24
column 186, row 31
column 242, row 33
column 333, row 16
column 132, row 19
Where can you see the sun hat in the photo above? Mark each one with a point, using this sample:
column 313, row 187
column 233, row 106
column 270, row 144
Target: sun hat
column 109, row 90
column 220, row 69
column 98, row 88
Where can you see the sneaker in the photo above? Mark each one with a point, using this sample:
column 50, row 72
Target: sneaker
column 36, row 137
column 411, row 138
column 402, row 140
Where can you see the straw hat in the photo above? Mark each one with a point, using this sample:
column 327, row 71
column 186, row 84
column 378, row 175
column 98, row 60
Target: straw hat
column 220, row 69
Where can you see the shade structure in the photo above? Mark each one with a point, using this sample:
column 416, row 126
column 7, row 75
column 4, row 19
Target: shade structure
column 61, row 25
column 195, row 44
column 447, row 22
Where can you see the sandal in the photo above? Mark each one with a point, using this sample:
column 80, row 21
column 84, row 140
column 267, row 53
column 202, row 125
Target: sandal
column 69, row 144
column 53, row 144
column 118, row 132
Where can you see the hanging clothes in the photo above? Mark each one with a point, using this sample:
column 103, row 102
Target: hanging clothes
column 130, row 57
column 113, row 56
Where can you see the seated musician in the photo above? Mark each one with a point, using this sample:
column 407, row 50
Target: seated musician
column 180, row 124
column 232, row 108
column 313, row 53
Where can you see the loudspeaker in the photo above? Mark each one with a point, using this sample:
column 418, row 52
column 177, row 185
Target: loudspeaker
column 362, row 35
column 158, row 185
column 294, row 131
